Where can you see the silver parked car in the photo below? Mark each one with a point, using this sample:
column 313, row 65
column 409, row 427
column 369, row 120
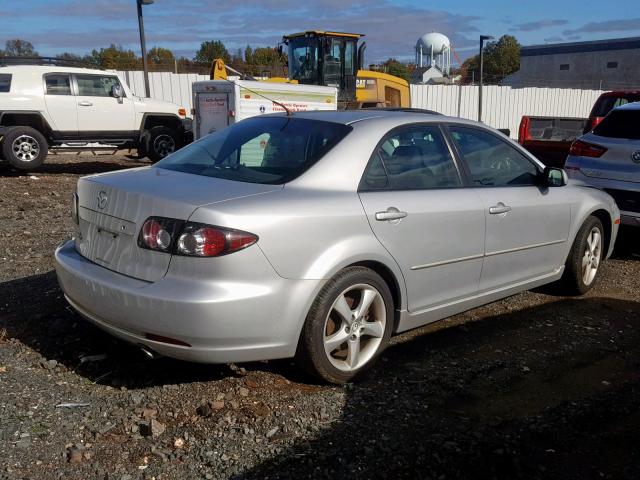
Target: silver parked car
column 319, row 235
column 609, row 158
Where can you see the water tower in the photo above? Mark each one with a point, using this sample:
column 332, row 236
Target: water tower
column 434, row 50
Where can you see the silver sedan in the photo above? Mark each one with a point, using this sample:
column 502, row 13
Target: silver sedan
column 321, row 234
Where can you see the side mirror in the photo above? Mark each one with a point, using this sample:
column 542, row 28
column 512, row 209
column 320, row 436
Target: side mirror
column 118, row 92
column 555, row 177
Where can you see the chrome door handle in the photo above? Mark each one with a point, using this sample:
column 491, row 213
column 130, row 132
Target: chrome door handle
column 392, row 213
column 499, row 208
column 84, row 103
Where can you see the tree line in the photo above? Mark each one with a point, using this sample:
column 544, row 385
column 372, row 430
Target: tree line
column 501, row 58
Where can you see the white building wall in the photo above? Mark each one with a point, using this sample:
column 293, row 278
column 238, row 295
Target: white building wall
column 503, row 107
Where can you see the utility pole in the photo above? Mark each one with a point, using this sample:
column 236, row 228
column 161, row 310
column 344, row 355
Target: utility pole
column 143, row 47
column 482, row 39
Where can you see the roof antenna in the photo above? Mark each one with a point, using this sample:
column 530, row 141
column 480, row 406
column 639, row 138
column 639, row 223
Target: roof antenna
column 289, row 112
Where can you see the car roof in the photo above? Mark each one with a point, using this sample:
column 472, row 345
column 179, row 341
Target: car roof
column 52, row 69
column 390, row 118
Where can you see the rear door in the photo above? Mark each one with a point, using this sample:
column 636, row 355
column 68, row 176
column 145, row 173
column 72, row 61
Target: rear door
column 527, row 226
column 61, row 103
column 212, row 112
column 418, row 208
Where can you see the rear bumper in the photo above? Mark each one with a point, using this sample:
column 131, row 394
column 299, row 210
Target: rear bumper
column 222, row 321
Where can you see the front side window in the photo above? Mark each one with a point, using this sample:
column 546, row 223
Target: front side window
column 303, row 59
column 58, row 84
column 268, row 150
column 96, row 85
column 5, row 82
column 492, row 162
column 415, row 158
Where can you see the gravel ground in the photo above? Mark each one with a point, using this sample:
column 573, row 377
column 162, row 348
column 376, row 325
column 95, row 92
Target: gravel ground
column 534, row 386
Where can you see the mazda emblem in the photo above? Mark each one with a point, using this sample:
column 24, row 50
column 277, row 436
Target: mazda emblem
column 635, row 156
column 102, row 199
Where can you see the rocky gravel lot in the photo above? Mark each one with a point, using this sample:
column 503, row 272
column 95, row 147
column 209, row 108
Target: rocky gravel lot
column 535, row 386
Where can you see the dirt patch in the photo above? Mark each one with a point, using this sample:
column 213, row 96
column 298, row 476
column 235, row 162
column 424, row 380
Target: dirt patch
column 534, row 386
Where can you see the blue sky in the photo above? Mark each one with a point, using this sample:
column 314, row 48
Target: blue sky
column 392, row 26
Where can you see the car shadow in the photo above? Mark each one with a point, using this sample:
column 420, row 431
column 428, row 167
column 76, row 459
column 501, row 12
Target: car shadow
column 533, row 388
column 77, row 165
column 548, row 391
column 627, row 245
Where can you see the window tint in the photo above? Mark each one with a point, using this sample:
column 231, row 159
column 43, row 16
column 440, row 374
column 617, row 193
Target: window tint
column 5, row 83
column 607, row 103
column 415, row 158
column 270, row 150
column 620, row 124
column 58, row 84
column 493, row 162
column 96, row 85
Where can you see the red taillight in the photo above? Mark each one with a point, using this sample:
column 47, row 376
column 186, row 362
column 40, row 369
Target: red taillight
column 523, row 132
column 199, row 240
column 155, row 236
column 580, row 148
column 596, row 121
column 192, row 239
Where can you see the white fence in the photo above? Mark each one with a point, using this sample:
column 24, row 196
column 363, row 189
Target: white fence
column 503, row 107
column 173, row 87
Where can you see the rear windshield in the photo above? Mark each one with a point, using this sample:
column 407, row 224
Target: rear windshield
column 607, row 103
column 620, row 124
column 5, row 82
column 271, row 150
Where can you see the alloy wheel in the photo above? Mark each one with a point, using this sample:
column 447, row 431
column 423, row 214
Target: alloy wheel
column 354, row 327
column 25, row 148
column 591, row 257
column 164, row 145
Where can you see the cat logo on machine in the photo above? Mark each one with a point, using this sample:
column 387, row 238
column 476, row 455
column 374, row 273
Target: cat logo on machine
column 635, row 156
column 262, row 109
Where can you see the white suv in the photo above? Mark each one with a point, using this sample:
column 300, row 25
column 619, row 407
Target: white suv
column 43, row 107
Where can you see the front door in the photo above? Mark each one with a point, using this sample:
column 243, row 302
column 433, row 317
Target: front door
column 418, row 209
column 100, row 114
column 527, row 225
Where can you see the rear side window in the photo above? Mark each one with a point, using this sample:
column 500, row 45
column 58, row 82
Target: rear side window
column 268, row 150
column 620, row 124
column 415, row 158
column 605, row 104
column 492, row 162
column 5, row 82
column 58, row 84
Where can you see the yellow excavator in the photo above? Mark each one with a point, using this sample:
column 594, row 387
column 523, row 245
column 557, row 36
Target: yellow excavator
column 335, row 59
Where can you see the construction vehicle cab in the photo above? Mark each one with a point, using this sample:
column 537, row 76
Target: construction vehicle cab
column 325, row 58
column 335, row 59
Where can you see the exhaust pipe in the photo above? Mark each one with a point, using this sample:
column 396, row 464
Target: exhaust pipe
column 149, row 353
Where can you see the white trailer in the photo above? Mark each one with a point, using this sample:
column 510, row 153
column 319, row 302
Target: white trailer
column 220, row 103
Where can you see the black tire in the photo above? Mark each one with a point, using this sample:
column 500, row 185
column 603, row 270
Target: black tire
column 311, row 354
column 573, row 278
column 25, row 148
column 158, row 142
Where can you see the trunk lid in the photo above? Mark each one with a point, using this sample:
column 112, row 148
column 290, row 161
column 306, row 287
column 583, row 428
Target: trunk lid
column 617, row 163
column 113, row 207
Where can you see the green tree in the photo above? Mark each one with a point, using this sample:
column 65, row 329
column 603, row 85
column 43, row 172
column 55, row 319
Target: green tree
column 501, row 58
column 266, row 56
column 19, row 48
column 115, row 57
column 211, row 50
column 248, row 54
column 160, row 56
column 396, row 68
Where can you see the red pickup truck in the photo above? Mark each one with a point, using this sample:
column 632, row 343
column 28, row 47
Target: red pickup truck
column 549, row 138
